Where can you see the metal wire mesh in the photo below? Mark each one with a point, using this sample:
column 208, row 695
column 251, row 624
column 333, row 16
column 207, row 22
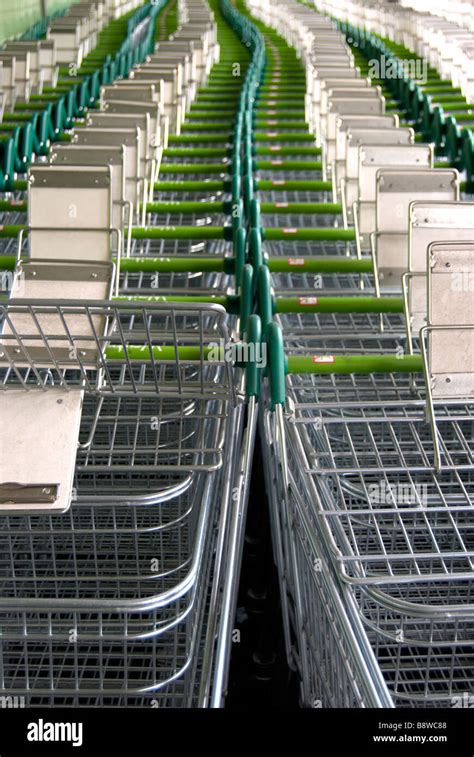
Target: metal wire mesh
column 367, row 534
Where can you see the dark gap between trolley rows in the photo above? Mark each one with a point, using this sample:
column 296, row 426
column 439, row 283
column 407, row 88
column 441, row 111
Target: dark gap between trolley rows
column 259, row 676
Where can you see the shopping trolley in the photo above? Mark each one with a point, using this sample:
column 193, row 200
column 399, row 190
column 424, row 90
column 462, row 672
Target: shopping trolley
column 130, row 593
column 358, row 490
column 289, row 238
column 397, row 529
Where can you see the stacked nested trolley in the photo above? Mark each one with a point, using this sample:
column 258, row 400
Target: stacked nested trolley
column 368, row 420
column 126, row 438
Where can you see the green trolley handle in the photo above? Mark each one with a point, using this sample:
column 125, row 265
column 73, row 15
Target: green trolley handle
column 182, row 232
column 292, row 185
column 280, row 365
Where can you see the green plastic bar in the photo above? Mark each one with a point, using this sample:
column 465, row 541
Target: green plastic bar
column 188, row 206
column 189, row 186
column 320, row 265
column 218, row 76
column 231, row 97
column 205, row 168
column 13, row 206
column 316, row 234
column 287, row 150
column 312, row 304
column 182, row 232
column 277, row 113
column 212, row 109
column 293, row 185
column 277, row 91
column 313, row 208
column 282, row 136
column 208, row 117
column 451, row 99
column 16, row 116
column 278, row 85
column 269, row 89
column 465, row 118
column 441, row 88
column 7, row 262
column 221, row 89
column 281, row 89
column 10, row 231
column 355, row 364
column 195, row 152
column 214, row 125
column 165, row 353
column 291, row 74
column 219, row 79
column 289, row 165
column 288, row 66
column 231, row 102
column 189, row 264
column 176, row 139
column 281, row 100
column 176, row 264
column 299, row 124
column 45, row 96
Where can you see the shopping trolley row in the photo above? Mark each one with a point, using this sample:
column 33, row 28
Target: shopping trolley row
column 31, row 64
column 367, row 418
column 130, row 388
column 425, row 62
column 54, row 75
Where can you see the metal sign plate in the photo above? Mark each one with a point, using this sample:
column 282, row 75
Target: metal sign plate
column 432, row 222
column 395, row 190
column 373, row 157
column 363, row 122
column 70, row 212
column 356, row 137
column 91, row 155
column 38, row 445
column 451, row 316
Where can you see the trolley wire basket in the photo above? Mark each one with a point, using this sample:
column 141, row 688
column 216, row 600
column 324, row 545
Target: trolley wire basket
column 109, row 603
column 368, row 465
column 126, row 598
